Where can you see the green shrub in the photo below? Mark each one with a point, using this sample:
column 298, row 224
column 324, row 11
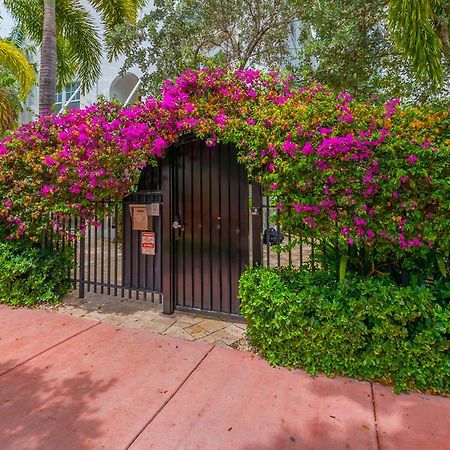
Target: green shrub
column 366, row 328
column 30, row 274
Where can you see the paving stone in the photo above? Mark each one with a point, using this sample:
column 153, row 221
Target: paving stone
column 145, row 315
column 180, row 323
column 77, row 312
column 235, row 331
column 178, row 332
column 212, row 325
column 188, row 318
column 220, row 335
column 197, row 331
column 64, row 309
column 96, row 315
column 114, row 319
column 142, row 324
column 155, row 326
column 165, row 318
column 221, row 344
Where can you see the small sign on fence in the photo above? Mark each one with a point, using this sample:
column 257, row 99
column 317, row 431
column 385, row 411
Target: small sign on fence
column 148, row 243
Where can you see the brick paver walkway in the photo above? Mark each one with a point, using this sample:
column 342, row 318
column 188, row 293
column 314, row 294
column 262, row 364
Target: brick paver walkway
column 148, row 316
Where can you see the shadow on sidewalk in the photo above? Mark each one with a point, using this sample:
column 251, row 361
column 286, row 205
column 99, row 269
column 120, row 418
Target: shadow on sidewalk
column 291, row 439
column 39, row 411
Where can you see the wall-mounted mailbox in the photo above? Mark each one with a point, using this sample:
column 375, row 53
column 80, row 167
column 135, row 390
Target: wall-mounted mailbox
column 142, row 215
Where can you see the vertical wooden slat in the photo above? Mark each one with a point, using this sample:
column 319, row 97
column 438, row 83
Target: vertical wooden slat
column 216, row 232
column 187, row 212
column 206, row 242
column 167, row 236
column 179, row 211
column 225, row 228
column 197, row 273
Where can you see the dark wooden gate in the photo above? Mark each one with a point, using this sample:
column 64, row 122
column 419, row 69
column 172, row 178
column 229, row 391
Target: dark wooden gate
column 209, row 219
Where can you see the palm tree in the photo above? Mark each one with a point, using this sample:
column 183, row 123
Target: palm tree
column 421, row 31
column 13, row 62
column 69, row 39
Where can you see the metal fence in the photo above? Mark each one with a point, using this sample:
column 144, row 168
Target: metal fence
column 280, row 248
column 99, row 260
column 106, row 258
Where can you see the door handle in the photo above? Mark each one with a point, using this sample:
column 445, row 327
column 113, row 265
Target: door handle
column 178, row 227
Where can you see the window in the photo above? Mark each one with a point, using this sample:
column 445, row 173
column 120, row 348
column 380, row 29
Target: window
column 64, row 96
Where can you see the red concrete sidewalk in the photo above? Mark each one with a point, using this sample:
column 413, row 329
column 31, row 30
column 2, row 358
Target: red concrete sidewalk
column 68, row 383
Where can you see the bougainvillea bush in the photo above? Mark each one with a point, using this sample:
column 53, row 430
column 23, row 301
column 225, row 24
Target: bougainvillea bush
column 375, row 174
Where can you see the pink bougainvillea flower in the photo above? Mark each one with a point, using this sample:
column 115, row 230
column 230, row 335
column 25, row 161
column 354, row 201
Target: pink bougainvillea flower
column 49, row 161
column 324, row 131
column 158, row 147
column 308, row 149
column 290, row 147
column 412, row 159
column 190, row 108
column 47, row 189
column 212, row 141
column 346, row 118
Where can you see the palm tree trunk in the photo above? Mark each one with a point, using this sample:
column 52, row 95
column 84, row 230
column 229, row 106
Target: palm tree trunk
column 47, row 82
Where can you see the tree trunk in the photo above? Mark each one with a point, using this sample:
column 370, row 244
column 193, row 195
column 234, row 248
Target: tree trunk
column 47, row 74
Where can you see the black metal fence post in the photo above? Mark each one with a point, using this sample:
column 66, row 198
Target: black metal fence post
column 81, row 282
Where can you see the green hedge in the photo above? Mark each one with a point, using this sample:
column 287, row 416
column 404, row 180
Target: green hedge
column 366, row 328
column 30, row 274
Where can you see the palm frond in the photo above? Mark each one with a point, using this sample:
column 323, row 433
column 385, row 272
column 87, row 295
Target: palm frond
column 29, row 14
column 66, row 65
column 413, row 27
column 15, row 61
column 80, row 42
column 115, row 13
column 8, row 114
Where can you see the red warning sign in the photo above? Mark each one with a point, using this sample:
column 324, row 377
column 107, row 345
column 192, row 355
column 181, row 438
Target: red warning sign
column 148, row 243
